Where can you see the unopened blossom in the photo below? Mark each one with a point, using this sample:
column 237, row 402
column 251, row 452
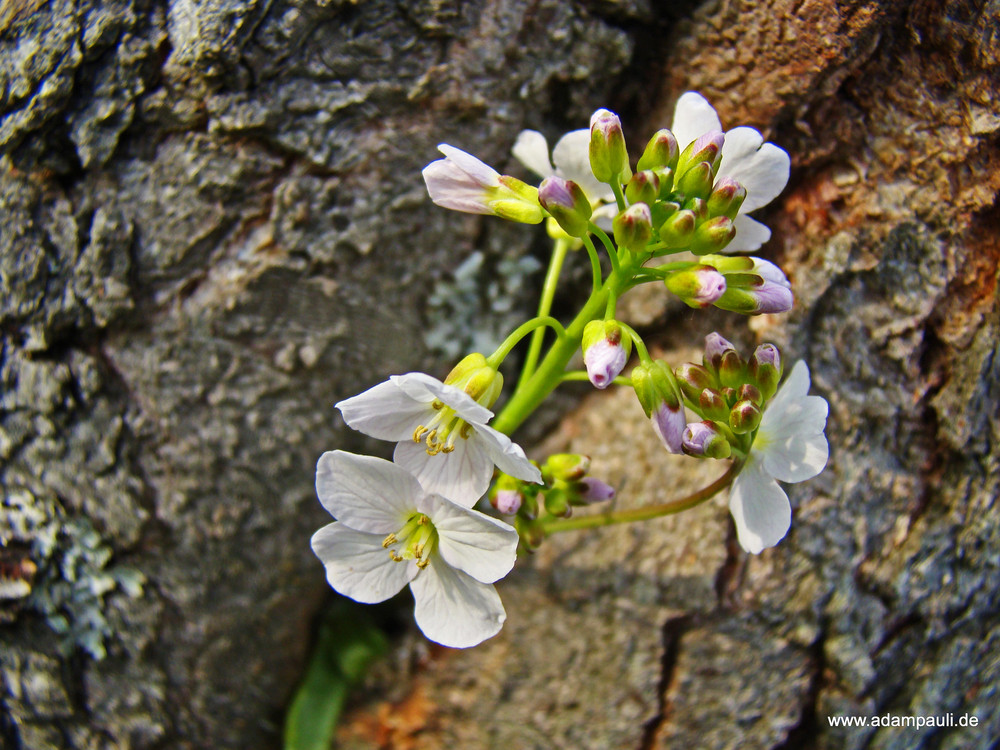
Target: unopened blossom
column 462, row 182
column 390, row 532
column 441, row 435
column 605, row 351
column 789, row 446
column 762, row 168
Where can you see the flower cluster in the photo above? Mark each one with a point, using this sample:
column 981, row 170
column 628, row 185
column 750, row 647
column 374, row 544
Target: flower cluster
column 412, row 520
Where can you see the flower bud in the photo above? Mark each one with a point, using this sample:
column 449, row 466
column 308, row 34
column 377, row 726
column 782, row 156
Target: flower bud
column 477, row 378
column 744, row 417
column 713, row 406
column 765, row 369
column 712, row 235
column 557, row 502
column 654, row 384
column 567, row 204
column 593, row 490
column 697, row 206
column 605, row 351
column 698, row 286
column 697, row 181
column 753, row 286
column 749, row 392
column 726, row 198
column 633, row 227
column 565, row 466
column 661, row 151
column 608, row 155
column 678, row 229
column 644, row 187
column 732, row 370
column 704, row 439
column 706, row 148
column 506, row 495
column 532, row 532
column 668, row 424
column 693, row 379
column 715, row 348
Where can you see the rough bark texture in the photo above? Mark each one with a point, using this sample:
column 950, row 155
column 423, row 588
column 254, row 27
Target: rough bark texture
column 214, row 227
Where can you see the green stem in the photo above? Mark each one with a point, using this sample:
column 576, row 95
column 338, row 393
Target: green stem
column 545, row 305
column 609, row 246
column 595, row 263
column 611, row 517
column 640, row 346
column 581, row 375
column 616, row 188
column 497, row 357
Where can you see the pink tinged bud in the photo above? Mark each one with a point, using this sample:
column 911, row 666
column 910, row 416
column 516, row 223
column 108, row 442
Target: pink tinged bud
column 765, row 369
column 644, row 187
column 693, row 379
column 715, row 348
column 567, row 203
column 565, row 466
column 766, row 298
column 608, row 155
column 678, row 229
column 713, row 235
column 697, row 181
column 712, row 405
column 744, row 417
column 703, row 439
column 698, row 286
column 726, row 198
column 661, row 151
column 770, row 272
column 604, row 361
column 633, row 227
column 595, row 491
column 668, row 424
column 706, row 148
column 749, row 392
column 507, row 502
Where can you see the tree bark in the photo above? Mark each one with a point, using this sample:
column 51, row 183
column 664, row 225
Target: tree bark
column 215, row 228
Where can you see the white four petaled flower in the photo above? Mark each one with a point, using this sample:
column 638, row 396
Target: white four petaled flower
column 762, row 168
column 391, row 532
column 441, row 435
column 789, row 446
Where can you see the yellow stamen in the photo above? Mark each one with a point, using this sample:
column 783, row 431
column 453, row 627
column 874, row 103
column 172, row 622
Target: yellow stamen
column 389, row 541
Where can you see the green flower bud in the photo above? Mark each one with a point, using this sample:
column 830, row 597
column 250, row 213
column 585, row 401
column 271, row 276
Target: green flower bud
column 633, row 227
column 765, row 369
column 697, row 181
column 726, row 198
column 744, row 417
column 661, row 151
column 654, row 385
column 557, row 502
column 678, row 229
column 480, row 381
column 713, row 235
column 713, row 406
column 566, row 467
column 532, row 532
column 567, row 204
column 750, row 392
column 693, row 379
column 706, row 148
column 644, row 187
column 698, row 286
column 666, row 177
column 608, row 154
column 732, row 370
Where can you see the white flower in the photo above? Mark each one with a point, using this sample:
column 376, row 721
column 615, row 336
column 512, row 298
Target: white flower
column 390, row 532
column 762, row 168
column 441, row 433
column 790, row 446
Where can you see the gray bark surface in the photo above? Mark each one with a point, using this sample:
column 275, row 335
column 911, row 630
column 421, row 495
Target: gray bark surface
column 214, row 227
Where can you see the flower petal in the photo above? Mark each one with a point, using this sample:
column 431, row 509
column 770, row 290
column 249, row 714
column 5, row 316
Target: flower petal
column 750, row 235
column 762, row 168
column 453, row 608
column 532, row 150
column 470, row 541
column 357, row 566
column 462, row 476
column 760, row 508
column 422, row 387
column 386, row 411
column 507, row 455
column 477, row 170
column 366, row 493
column 572, row 159
column 450, row 187
column 693, row 117
column 797, row 458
